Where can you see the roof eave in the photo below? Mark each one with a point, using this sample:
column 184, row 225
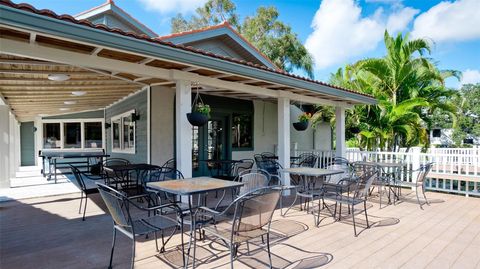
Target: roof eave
column 48, row 25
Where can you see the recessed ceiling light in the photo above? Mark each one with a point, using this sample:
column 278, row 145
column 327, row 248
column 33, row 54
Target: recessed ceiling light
column 64, row 108
column 58, row 77
column 42, row 115
column 70, row 102
column 79, row 93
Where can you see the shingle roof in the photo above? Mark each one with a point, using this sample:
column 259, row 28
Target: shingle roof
column 224, row 24
column 69, row 18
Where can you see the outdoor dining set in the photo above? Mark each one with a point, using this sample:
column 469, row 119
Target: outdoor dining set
column 236, row 203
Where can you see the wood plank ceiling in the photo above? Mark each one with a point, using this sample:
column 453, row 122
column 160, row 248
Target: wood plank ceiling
column 25, row 86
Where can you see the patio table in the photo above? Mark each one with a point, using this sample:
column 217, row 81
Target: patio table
column 190, row 186
column 391, row 171
column 308, row 175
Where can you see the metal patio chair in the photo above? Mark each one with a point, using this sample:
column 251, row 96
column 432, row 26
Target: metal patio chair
column 119, row 207
column 111, row 177
column 252, row 216
column 358, row 195
column 84, row 188
column 420, row 182
column 308, row 160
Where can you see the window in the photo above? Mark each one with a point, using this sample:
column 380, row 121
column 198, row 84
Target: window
column 242, row 131
column 51, row 136
column 123, row 133
column 72, row 135
column 93, row 135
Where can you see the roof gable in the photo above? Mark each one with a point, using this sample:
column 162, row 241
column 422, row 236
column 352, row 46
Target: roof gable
column 221, row 39
column 113, row 16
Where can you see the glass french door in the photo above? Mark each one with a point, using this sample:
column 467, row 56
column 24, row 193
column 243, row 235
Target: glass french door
column 209, row 144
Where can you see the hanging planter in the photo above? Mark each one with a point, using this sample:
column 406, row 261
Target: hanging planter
column 200, row 111
column 302, row 123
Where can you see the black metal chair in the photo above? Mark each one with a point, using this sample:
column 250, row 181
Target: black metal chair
column 252, row 216
column 119, row 207
column 111, row 177
column 84, row 188
column 272, row 167
column 358, row 195
column 420, row 182
column 308, row 160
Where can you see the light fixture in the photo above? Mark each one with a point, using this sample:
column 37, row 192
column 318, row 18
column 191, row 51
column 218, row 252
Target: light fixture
column 64, row 108
column 42, row 115
column 70, row 102
column 58, row 77
column 79, row 93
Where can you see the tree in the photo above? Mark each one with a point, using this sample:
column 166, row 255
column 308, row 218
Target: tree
column 468, row 125
column 408, row 87
column 272, row 37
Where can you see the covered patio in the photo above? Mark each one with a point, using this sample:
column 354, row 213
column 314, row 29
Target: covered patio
column 48, row 233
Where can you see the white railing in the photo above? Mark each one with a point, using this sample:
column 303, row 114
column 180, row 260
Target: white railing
column 325, row 156
column 454, row 170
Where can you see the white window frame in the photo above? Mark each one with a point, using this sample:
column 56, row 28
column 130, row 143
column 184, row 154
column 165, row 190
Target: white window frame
column 130, row 150
column 82, row 134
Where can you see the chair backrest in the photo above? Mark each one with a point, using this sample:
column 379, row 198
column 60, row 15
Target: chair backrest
column 347, row 172
column 268, row 155
column 252, row 181
column 423, row 172
column 78, row 177
column 172, row 163
column 117, row 205
column 243, row 165
column 115, row 161
column 161, row 174
column 271, row 166
column 254, row 210
column 339, row 160
column 309, row 160
column 363, row 183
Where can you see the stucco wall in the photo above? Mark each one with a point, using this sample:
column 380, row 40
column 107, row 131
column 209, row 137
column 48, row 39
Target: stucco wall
column 162, row 102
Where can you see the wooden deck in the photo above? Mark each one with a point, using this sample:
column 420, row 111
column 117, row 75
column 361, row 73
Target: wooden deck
column 48, row 233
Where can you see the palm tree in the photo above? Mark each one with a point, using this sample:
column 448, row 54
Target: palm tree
column 408, row 87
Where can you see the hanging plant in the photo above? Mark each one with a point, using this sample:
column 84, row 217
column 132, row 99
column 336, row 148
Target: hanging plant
column 200, row 111
column 302, row 123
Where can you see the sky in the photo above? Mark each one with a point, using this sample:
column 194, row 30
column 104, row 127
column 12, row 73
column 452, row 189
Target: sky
column 338, row 32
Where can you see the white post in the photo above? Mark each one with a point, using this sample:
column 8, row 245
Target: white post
column 183, row 134
column 283, row 116
column 11, row 144
column 340, row 132
column 4, row 146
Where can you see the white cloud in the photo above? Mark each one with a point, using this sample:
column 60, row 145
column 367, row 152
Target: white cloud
column 340, row 32
column 173, row 6
column 449, row 21
column 470, row 76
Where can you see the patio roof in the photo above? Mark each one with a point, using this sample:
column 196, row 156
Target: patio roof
column 60, row 39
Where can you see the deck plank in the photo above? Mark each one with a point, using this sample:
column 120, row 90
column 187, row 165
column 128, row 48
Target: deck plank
column 48, row 233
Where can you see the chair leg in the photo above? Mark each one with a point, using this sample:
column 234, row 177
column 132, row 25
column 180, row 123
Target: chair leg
column 133, row 252
column 156, row 240
column 232, row 253
column 424, row 196
column 113, row 247
column 85, row 208
column 418, row 198
column 268, row 249
column 194, row 246
column 366, row 215
column 81, row 201
column 353, row 217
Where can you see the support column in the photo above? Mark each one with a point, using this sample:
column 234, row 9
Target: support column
column 183, row 134
column 283, row 116
column 340, row 132
column 4, row 146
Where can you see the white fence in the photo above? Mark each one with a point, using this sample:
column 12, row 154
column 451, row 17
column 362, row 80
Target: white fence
column 454, row 170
